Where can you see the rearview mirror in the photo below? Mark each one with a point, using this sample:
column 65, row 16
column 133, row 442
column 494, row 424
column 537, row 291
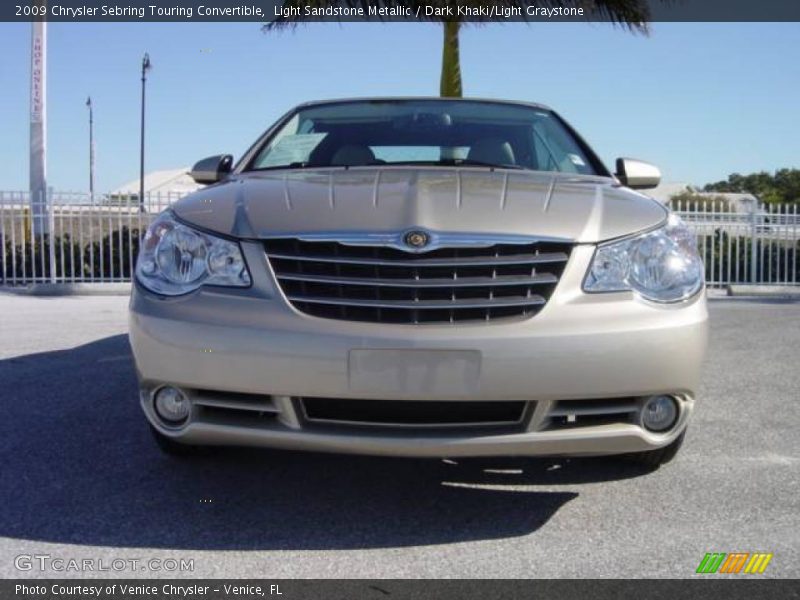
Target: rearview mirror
column 637, row 174
column 212, row 169
column 422, row 121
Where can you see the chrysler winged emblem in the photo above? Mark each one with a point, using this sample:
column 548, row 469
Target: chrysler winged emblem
column 416, row 239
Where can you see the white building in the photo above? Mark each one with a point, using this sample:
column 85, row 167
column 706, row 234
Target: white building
column 740, row 203
column 171, row 182
column 667, row 190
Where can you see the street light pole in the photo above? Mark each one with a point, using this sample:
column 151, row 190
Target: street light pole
column 146, row 66
column 91, row 148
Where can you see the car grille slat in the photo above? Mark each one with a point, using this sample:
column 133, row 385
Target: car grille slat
column 569, row 414
column 544, row 258
column 385, row 284
column 422, row 283
column 423, row 304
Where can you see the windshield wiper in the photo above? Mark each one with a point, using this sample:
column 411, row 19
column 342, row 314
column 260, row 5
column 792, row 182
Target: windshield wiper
column 294, row 165
column 458, row 162
column 479, row 163
column 447, row 162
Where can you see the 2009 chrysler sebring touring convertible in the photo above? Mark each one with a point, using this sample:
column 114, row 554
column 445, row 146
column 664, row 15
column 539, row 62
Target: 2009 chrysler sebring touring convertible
column 420, row 277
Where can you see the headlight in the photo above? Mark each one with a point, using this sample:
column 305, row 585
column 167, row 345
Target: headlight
column 662, row 265
column 176, row 259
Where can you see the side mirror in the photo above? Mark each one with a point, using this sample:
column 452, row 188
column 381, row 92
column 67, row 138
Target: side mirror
column 212, row 169
column 637, row 174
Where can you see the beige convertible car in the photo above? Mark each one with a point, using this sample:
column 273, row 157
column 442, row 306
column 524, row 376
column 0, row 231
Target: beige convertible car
column 420, row 277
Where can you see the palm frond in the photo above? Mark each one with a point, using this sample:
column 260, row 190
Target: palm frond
column 632, row 15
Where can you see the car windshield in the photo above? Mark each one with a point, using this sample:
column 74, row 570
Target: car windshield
column 425, row 132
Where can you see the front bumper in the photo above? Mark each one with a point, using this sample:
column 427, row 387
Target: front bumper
column 580, row 347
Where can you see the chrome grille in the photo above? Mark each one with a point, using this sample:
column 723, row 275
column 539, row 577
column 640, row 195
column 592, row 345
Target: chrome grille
column 382, row 284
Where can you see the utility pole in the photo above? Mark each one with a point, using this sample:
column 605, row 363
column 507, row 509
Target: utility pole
column 91, row 149
column 146, row 66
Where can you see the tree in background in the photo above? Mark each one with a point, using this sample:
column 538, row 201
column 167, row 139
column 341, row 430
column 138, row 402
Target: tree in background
column 632, row 15
column 782, row 187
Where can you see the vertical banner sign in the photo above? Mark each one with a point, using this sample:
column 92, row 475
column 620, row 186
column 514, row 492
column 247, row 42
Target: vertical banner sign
column 38, row 150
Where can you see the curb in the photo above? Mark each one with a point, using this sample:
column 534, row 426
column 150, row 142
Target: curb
column 124, row 289
column 69, row 289
column 764, row 291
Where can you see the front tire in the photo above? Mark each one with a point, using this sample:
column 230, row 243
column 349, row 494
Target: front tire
column 172, row 448
column 655, row 458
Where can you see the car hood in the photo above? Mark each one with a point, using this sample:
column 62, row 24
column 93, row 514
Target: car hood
column 392, row 199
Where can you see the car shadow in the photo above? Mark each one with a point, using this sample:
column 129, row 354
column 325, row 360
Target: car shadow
column 80, row 467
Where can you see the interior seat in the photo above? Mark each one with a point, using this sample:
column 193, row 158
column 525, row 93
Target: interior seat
column 353, row 155
column 495, row 151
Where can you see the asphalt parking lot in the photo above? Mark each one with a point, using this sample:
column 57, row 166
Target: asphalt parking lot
column 81, row 477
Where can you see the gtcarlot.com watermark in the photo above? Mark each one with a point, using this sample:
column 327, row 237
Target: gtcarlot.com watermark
column 59, row 564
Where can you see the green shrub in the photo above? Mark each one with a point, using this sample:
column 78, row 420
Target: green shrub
column 32, row 258
column 730, row 254
column 113, row 256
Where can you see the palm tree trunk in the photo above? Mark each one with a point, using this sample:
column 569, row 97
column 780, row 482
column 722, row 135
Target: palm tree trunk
column 450, row 85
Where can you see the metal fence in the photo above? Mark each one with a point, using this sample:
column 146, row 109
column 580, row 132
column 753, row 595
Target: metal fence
column 759, row 246
column 74, row 238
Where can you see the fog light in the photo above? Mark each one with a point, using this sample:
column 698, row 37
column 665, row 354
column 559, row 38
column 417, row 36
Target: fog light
column 659, row 413
column 172, row 405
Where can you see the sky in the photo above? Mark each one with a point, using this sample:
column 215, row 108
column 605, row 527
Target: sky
column 700, row 100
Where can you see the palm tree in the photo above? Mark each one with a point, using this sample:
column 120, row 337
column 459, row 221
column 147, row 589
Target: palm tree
column 632, row 15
